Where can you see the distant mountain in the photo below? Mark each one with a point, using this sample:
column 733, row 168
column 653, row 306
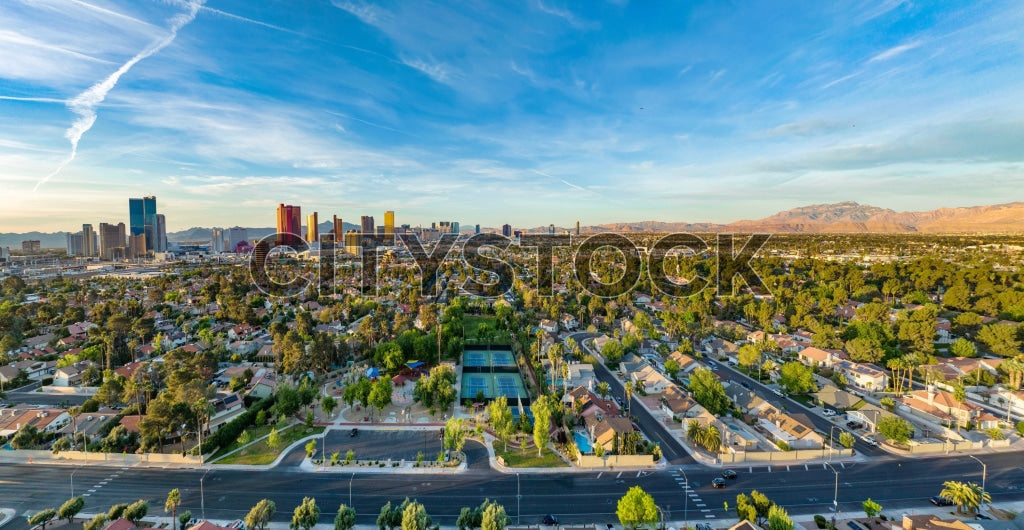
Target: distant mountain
column 853, row 217
column 46, row 239
column 197, row 234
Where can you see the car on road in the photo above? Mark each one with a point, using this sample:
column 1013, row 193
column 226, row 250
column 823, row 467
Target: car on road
column 718, row 483
column 941, row 501
column 549, row 520
column 982, row 516
column 854, row 424
column 828, row 412
column 730, row 474
column 778, row 392
column 869, row 441
column 353, row 432
column 745, row 384
column 712, row 364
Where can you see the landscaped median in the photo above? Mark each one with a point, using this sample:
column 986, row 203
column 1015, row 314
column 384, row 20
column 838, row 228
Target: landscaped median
column 260, row 452
column 526, row 457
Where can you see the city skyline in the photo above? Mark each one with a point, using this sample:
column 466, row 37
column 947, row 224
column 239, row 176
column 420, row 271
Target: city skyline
column 612, row 112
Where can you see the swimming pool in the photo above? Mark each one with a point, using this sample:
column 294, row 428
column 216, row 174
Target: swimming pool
column 582, row 443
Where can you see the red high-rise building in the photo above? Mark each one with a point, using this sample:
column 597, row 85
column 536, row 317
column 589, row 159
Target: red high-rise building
column 289, row 225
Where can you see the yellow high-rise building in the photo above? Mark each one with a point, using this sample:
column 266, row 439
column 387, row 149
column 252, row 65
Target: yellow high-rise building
column 389, row 223
column 312, row 228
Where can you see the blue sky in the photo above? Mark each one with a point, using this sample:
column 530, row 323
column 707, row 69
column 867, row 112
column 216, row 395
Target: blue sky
column 529, row 112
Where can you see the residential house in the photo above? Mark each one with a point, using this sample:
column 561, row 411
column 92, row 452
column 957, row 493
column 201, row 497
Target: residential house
column 721, row 348
column 569, row 322
column 207, row 525
column 43, row 419
column 940, row 407
column 678, row 404
column 687, row 364
column 8, row 373
column 581, row 374
column 812, row 356
column 863, row 375
column 225, row 408
column 264, row 383
column 652, row 381
column 71, row 375
column 120, row 524
column 88, row 424
column 587, row 403
column 604, row 431
column 795, row 430
column 931, row 522
column 869, row 415
column 549, row 325
column 35, row 370
column 832, row 397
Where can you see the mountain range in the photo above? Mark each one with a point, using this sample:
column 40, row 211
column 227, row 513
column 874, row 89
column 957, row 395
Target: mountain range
column 840, row 217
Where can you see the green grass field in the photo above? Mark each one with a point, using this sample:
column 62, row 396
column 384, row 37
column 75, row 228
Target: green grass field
column 528, row 458
column 260, row 453
column 472, row 322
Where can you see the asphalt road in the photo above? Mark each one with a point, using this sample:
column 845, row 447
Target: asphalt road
column 50, row 400
column 898, row 485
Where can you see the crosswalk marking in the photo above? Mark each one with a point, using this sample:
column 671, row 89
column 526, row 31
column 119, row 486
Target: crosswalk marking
column 806, row 468
column 841, row 465
column 709, row 516
column 599, row 474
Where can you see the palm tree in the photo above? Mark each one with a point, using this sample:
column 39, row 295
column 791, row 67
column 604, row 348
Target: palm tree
column 966, row 496
column 712, row 439
column 171, row 505
column 629, row 394
column 603, row 389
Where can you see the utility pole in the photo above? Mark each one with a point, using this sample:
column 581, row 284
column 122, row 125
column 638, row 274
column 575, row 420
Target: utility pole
column 350, row 489
column 518, row 500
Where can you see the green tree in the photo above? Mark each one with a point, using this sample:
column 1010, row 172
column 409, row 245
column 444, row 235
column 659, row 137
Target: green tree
column 846, row 439
column 709, row 392
column 962, row 347
column 542, row 409
column 42, row 518
column 762, row 505
column 310, row 448
column 389, row 517
column 380, row 393
column 895, row 428
column 744, row 509
column 135, row 511
column 493, row 517
column 603, row 389
column 671, row 368
column 273, row 439
column 70, row 508
column 329, row 404
column 184, row 518
column 749, row 356
column 116, row 511
column 778, row 519
column 455, row 434
column 96, row 523
column 612, row 351
column 415, row 517
column 887, row 402
column 797, row 378
column 260, row 514
column 966, row 496
column 346, row 518
column 636, row 509
column 171, row 505
column 501, row 419
column 1001, row 339
column 306, row 515
column 865, row 349
column 871, row 508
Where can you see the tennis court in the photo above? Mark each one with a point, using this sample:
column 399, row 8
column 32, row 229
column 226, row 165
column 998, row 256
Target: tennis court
column 502, row 358
column 474, row 358
column 509, row 385
column 484, row 358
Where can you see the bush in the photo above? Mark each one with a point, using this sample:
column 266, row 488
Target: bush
column 820, row 521
column 230, row 431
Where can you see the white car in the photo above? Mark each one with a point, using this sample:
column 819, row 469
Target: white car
column 829, row 412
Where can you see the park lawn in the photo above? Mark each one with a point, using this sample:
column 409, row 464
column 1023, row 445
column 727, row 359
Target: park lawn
column 472, row 322
column 514, row 458
column 254, row 433
column 260, row 453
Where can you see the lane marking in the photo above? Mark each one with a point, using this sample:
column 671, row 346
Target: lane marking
column 824, row 466
column 599, row 474
column 701, row 505
column 841, row 465
column 705, row 510
column 787, row 468
column 709, row 516
column 638, row 473
column 769, row 469
column 619, row 475
column 806, row 468
column 751, row 470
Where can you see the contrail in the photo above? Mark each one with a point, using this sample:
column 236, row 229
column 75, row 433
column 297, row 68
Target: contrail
column 84, row 104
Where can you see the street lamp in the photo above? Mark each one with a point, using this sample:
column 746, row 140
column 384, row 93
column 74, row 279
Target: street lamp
column 661, row 517
column 518, row 500
column 350, row 489
column 984, row 471
column 835, row 496
column 202, row 494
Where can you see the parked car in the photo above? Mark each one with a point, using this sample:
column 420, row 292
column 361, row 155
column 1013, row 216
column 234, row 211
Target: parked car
column 778, row 392
column 353, row 432
column 718, row 482
column 854, row 424
column 829, row 412
column 745, row 384
column 549, row 520
column 941, row 501
column 728, row 473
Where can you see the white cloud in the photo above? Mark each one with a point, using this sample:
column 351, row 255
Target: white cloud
column 438, row 71
column 894, row 51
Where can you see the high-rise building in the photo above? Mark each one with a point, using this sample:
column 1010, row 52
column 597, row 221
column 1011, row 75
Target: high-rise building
column 339, row 229
column 5, row 254
column 160, row 245
column 366, row 225
column 112, row 241
column 551, row 229
column 312, row 228
column 236, row 236
column 142, row 220
column 577, row 228
column 88, row 241
column 389, row 223
column 32, row 245
column 136, row 246
column 75, row 244
column 476, row 229
column 352, row 242
column 289, row 225
column 506, row 230
column 217, row 240
column 455, row 227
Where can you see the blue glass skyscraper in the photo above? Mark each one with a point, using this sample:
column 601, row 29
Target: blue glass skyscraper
column 142, row 220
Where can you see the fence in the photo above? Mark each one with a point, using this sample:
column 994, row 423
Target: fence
column 118, row 458
column 592, row 461
column 782, row 456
